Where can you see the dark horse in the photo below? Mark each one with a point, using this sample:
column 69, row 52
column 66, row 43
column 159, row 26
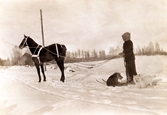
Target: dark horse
column 41, row 54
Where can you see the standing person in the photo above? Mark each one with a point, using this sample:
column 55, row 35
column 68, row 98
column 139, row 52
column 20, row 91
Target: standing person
column 129, row 58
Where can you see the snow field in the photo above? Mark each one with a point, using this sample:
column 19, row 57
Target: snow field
column 20, row 93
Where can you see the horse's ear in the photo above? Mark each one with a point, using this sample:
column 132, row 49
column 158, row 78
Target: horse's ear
column 25, row 35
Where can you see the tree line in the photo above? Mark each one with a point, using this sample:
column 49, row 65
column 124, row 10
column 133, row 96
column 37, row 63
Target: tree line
column 94, row 55
column 84, row 55
column 150, row 49
column 81, row 55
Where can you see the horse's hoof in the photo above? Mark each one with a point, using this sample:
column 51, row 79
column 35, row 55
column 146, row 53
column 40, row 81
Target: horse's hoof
column 39, row 81
column 44, row 80
column 62, row 80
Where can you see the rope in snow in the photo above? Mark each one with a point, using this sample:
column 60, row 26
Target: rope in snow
column 90, row 66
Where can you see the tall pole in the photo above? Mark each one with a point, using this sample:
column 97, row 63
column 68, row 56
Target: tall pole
column 43, row 43
column 42, row 28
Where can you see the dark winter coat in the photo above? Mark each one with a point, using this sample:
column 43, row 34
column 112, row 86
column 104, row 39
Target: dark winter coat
column 128, row 51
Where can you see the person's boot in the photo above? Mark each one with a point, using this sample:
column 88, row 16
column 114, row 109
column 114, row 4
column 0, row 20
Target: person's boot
column 131, row 82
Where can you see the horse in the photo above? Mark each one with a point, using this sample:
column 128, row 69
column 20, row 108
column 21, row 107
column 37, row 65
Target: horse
column 40, row 55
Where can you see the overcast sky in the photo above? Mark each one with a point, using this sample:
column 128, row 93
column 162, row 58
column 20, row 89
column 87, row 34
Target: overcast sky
column 83, row 24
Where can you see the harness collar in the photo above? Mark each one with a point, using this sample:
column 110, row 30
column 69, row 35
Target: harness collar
column 37, row 55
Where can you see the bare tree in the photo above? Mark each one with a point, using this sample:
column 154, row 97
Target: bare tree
column 16, row 54
column 151, row 48
column 94, row 54
column 1, row 62
column 157, row 48
column 79, row 53
column 102, row 54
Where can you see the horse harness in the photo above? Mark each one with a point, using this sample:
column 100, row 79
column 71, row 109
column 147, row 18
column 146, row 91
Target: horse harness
column 36, row 53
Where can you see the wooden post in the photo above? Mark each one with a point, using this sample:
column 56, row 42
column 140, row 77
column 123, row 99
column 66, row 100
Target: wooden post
column 42, row 28
column 43, row 43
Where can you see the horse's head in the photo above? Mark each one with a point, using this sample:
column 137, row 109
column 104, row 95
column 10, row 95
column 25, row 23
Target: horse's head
column 23, row 44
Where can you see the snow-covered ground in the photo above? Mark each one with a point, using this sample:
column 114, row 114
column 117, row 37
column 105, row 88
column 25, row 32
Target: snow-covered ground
column 81, row 94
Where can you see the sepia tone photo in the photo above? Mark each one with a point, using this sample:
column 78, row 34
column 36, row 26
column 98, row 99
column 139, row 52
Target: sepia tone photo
column 83, row 57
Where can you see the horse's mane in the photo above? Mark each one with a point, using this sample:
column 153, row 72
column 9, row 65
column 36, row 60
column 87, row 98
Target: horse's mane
column 31, row 41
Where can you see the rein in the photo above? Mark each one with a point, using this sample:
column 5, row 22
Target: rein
column 89, row 66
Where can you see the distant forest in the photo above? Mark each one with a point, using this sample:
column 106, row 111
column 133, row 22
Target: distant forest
column 82, row 55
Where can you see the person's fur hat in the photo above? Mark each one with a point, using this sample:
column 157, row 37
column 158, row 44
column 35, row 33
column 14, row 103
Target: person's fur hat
column 126, row 36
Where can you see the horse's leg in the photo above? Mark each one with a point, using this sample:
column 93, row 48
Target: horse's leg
column 60, row 63
column 38, row 71
column 36, row 62
column 43, row 72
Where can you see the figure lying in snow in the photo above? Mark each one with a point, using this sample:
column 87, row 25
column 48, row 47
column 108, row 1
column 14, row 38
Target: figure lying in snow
column 113, row 80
